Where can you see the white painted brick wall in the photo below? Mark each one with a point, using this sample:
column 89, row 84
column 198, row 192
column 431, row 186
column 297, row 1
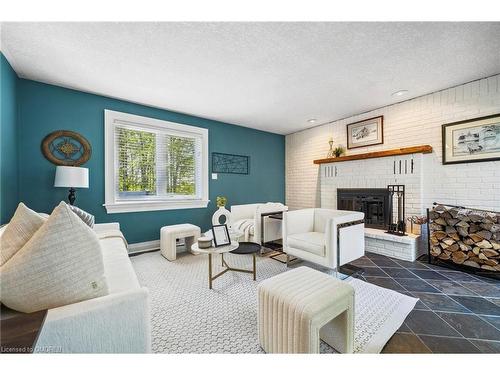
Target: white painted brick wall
column 411, row 123
column 373, row 173
column 401, row 251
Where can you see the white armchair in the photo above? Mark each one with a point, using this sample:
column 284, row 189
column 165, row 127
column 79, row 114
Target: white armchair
column 248, row 219
column 323, row 236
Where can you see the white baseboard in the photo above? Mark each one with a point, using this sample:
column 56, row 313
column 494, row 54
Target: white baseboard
column 140, row 247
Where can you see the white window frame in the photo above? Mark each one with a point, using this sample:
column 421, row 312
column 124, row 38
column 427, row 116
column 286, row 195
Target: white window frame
column 112, row 119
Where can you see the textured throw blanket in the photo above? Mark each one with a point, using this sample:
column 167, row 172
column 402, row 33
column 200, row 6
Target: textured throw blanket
column 112, row 233
column 246, row 226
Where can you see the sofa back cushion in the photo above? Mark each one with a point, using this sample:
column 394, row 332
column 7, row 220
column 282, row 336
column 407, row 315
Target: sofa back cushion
column 243, row 211
column 21, row 228
column 87, row 218
column 61, row 264
column 321, row 217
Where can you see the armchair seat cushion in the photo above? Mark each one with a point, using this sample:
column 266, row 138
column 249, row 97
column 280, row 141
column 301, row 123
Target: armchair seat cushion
column 312, row 242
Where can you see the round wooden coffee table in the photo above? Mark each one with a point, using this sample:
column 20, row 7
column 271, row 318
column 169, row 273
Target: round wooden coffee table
column 215, row 250
column 233, row 248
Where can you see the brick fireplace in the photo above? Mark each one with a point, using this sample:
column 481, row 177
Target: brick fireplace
column 361, row 185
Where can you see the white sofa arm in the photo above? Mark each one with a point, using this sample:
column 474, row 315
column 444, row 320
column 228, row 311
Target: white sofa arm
column 116, row 323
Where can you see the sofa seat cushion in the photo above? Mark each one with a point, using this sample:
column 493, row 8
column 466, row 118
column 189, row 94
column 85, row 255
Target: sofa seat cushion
column 118, row 270
column 312, row 242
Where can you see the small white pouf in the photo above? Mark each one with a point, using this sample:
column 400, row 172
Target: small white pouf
column 170, row 233
column 298, row 307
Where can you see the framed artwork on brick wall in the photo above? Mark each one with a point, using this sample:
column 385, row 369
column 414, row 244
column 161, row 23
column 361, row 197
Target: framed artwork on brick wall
column 364, row 133
column 472, row 140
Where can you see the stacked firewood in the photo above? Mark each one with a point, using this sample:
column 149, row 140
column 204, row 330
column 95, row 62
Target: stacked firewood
column 465, row 236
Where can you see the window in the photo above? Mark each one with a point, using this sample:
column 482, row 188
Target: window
column 153, row 164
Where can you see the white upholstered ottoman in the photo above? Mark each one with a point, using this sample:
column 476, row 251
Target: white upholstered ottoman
column 170, row 233
column 298, row 307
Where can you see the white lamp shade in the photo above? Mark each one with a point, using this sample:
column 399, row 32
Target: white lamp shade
column 75, row 177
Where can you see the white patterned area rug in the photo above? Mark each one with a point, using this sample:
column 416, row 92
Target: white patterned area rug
column 187, row 317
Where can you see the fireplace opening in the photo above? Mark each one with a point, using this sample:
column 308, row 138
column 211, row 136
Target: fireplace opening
column 374, row 203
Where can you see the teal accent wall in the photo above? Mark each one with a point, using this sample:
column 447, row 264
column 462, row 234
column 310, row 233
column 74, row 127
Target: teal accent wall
column 8, row 144
column 45, row 108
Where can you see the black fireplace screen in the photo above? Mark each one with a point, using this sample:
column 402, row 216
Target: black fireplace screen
column 374, row 203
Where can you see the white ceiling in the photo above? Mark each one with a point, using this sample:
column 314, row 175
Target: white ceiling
column 268, row 76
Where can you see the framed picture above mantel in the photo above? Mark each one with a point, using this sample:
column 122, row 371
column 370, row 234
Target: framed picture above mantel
column 364, row 133
column 472, row 141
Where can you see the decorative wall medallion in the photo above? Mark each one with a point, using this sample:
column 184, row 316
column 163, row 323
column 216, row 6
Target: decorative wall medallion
column 65, row 147
column 228, row 163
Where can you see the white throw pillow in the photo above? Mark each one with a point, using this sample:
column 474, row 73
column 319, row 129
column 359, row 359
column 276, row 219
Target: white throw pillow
column 87, row 218
column 21, row 228
column 60, row 265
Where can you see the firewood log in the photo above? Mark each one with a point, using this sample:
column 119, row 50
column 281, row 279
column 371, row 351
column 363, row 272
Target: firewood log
column 440, row 208
column 495, row 244
column 473, row 228
column 482, row 256
column 462, row 231
column 475, row 237
column 464, row 247
column 484, row 244
column 488, row 268
column 459, row 257
column 491, row 262
column 471, row 263
column 452, row 221
column 439, row 234
column 468, row 241
column 434, row 227
column 433, row 215
column 448, row 241
column 444, row 256
column 436, row 250
column 440, row 221
column 484, row 234
column 490, row 253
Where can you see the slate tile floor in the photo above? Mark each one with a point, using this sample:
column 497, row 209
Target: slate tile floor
column 457, row 312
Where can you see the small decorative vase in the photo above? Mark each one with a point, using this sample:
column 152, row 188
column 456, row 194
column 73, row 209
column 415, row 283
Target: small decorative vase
column 204, row 242
column 221, row 213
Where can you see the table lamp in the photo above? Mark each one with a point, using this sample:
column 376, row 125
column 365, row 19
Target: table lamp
column 72, row 177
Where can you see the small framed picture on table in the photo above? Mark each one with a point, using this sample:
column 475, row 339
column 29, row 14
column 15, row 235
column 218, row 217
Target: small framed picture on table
column 221, row 235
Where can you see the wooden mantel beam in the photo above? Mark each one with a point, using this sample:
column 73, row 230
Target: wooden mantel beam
column 425, row 149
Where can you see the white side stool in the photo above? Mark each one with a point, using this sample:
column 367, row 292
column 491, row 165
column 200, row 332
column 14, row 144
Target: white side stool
column 170, row 233
column 298, row 307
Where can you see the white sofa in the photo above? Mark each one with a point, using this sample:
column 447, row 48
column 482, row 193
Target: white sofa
column 312, row 235
column 116, row 323
column 248, row 216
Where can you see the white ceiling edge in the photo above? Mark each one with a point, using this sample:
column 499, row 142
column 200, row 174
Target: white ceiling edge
column 277, row 83
column 9, row 58
column 408, row 99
